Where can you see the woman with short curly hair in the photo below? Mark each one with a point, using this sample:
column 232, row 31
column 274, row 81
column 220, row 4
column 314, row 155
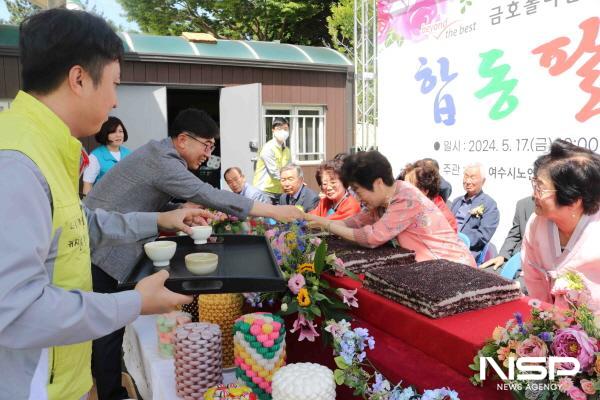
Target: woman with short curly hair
column 427, row 179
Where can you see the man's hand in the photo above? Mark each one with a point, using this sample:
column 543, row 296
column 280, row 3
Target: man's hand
column 156, row 298
column 495, row 262
column 182, row 218
column 287, row 213
column 189, row 204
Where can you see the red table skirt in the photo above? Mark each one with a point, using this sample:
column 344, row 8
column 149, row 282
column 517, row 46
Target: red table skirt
column 453, row 340
column 399, row 362
column 418, row 350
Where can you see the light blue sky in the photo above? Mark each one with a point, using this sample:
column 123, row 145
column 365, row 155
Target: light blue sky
column 110, row 8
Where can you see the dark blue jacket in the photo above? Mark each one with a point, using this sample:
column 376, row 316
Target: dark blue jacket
column 479, row 229
column 307, row 198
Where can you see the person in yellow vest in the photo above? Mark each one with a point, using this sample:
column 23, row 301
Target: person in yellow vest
column 48, row 313
column 273, row 156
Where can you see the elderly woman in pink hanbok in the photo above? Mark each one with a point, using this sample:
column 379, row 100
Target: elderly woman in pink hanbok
column 564, row 233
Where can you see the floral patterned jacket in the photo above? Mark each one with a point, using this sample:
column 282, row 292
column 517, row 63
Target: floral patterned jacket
column 415, row 222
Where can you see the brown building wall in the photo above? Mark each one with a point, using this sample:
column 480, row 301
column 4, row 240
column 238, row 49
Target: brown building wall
column 280, row 86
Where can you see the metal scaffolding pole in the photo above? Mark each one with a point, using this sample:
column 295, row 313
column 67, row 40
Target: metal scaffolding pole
column 365, row 65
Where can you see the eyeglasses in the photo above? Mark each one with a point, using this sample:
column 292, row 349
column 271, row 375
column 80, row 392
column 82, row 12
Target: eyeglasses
column 210, row 146
column 333, row 184
column 538, row 191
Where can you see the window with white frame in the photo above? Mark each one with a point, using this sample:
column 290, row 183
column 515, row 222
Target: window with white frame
column 307, row 131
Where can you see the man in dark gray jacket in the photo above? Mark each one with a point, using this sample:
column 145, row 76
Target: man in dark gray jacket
column 147, row 180
column 295, row 191
column 512, row 243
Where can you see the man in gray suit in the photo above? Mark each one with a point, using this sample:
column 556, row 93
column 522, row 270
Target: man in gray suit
column 295, row 192
column 512, row 243
column 147, row 180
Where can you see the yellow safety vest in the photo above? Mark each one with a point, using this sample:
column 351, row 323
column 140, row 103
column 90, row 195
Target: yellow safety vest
column 262, row 178
column 34, row 130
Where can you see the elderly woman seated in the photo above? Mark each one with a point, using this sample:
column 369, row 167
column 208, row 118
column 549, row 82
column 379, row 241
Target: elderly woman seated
column 427, row 178
column 563, row 233
column 336, row 203
column 395, row 210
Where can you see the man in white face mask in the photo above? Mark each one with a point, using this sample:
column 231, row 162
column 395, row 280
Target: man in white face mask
column 273, row 156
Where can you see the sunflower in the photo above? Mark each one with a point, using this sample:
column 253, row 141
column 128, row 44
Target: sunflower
column 306, row 267
column 303, row 298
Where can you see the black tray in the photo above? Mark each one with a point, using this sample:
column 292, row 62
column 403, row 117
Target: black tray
column 246, row 264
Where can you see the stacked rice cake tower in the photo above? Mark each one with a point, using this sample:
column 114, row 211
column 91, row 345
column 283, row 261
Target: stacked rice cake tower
column 166, row 325
column 440, row 288
column 223, row 310
column 198, row 359
column 259, row 349
column 361, row 259
column 304, row 381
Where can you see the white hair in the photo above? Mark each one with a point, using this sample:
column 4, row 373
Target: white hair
column 479, row 166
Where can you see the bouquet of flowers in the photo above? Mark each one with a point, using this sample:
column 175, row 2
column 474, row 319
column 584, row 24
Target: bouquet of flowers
column 224, row 224
column 559, row 332
column 356, row 371
column 303, row 259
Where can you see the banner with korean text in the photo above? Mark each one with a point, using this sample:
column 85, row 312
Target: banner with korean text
column 489, row 81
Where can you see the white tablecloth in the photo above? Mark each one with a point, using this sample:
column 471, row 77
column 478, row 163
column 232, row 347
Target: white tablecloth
column 154, row 376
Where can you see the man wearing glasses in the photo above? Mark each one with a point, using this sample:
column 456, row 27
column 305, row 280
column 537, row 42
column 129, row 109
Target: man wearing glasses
column 147, row 180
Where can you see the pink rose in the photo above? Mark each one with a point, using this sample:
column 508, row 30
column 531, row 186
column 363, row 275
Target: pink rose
column 587, row 386
column 576, row 394
column 533, row 346
column 574, row 342
column 296, row 282
column 565, row 384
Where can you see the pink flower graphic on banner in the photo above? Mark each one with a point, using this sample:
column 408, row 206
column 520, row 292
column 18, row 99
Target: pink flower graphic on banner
column 397, row 20
column 383, row 19
column 423, row 12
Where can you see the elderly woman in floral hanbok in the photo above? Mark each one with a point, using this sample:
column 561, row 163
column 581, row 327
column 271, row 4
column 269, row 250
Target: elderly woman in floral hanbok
column 396, row 210
column 564, row 233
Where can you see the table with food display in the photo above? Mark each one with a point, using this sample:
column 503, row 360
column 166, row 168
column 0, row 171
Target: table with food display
column 426, row 320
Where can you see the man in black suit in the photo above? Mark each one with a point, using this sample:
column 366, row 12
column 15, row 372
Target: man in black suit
column 512, row 243
column 295, row 192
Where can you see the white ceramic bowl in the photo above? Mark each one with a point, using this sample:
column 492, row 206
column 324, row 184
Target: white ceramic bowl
column 201, row 233
column 201, row 263
column 160, row 252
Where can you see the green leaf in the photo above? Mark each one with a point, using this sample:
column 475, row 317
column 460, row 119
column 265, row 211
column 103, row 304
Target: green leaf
column 318, row 296
column 338, row 375
column 340, row 362
column 315, row 310
column 292, row 308
column 320, row 255
column 352, row 275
